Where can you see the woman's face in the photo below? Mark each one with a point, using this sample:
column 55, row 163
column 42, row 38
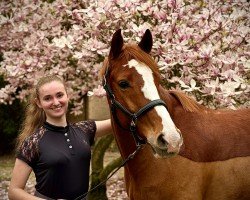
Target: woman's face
column 53, row 99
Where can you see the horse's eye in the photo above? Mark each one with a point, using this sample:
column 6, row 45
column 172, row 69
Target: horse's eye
column 124, row 84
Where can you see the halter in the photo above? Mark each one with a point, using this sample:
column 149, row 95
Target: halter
column 114, row 104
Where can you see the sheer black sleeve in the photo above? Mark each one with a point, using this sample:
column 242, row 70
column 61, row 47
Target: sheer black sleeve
column 29, row 151
column 89, row 128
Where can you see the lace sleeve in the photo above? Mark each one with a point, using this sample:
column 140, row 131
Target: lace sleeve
column 28, row 151
column 89, row 128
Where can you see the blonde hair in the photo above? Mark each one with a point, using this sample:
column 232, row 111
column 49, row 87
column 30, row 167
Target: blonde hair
column 34, row 116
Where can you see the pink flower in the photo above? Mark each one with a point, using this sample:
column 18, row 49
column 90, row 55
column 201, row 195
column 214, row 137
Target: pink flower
column 99, row 91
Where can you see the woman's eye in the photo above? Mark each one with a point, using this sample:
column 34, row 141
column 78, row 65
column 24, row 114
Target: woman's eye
column 59, row 95
column 47, row 98
column 124, row 84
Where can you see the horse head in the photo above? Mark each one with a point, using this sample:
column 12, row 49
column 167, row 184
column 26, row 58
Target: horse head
column 132, row 80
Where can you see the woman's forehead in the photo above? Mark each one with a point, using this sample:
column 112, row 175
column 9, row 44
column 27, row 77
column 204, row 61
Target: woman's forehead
column 52, row 87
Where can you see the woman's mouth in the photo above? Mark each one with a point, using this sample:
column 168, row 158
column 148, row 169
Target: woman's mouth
column 57, row 108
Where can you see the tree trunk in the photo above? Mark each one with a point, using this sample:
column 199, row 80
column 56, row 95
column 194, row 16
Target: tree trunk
column 99, row 173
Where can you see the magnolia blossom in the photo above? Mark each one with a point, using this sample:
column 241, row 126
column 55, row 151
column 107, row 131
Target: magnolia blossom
column 63, row 42
column 99, row 91
column 201, row 47
column 191, row 87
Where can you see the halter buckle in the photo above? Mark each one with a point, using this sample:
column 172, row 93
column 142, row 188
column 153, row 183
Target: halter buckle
column 133, row 123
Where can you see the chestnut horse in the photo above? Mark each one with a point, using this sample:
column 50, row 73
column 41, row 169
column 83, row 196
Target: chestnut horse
column 189, row 151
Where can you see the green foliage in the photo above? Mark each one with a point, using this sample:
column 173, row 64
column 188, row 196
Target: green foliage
column 10, row 120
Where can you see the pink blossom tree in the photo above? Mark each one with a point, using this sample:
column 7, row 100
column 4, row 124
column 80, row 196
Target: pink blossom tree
column 201, row 47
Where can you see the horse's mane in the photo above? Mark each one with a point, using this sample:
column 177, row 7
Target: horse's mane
column 187, row 102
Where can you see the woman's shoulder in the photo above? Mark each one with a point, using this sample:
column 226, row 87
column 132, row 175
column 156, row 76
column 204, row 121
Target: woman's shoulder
column 85, row 126
column 85, row 123
column 29, row 148
column 36, row 135
column 88, row 128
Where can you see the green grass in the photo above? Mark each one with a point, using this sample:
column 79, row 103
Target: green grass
column 6, row 167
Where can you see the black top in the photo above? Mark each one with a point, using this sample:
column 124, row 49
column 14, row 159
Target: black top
column 60, row 158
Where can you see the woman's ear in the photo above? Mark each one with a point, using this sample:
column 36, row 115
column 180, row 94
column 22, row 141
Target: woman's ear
column 38, row 103
column 68, row 95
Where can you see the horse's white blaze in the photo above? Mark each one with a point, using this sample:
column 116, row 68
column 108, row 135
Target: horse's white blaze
column 150, row 92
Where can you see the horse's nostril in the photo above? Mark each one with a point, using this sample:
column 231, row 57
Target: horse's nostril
column 161, row 141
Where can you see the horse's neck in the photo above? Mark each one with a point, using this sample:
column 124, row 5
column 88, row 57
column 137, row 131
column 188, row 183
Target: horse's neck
column 126, row 145
column 125, row 141
column 210, row 135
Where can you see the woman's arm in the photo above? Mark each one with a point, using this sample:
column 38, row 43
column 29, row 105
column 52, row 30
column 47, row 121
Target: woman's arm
column 103, row 128
column 20, row 175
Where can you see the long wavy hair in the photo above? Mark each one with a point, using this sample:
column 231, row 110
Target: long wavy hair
column 34, row 116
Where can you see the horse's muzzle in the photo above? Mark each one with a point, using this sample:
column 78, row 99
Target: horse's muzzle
column 166, row 148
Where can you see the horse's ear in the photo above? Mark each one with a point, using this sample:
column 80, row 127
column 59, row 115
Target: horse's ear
column 116, row 44
column 146, row 42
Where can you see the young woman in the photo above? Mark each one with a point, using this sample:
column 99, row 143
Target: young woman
column 58, row 152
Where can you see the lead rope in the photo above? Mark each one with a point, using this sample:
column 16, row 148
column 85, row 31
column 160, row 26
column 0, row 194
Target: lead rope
column 131, row 156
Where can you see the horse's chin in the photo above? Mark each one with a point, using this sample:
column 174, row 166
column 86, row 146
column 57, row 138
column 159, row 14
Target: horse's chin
column 162, row 153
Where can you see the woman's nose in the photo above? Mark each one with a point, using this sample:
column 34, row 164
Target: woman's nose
column 55, row 101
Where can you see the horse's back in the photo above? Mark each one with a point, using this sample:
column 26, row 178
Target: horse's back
column 214, row 135
column 232, row 131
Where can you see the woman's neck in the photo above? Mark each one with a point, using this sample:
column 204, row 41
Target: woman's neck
column 57, row 122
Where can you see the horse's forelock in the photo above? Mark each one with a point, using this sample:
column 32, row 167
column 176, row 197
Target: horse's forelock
column 132, row 51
